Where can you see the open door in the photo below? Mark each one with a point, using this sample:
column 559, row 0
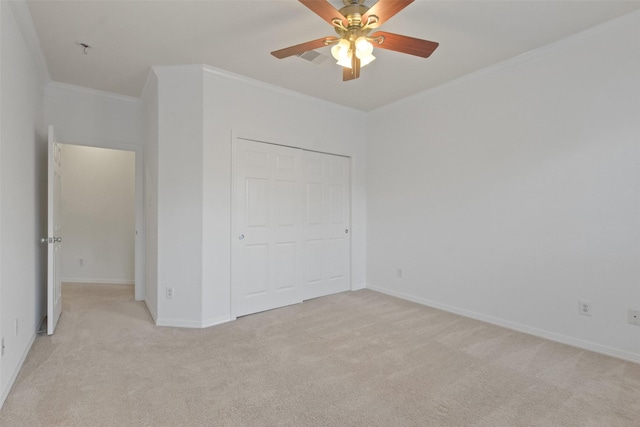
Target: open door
column 54, row 229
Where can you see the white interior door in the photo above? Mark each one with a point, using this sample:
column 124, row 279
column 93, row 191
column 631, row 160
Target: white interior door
column 326, row 225
column 266, row 245
column 54, row 230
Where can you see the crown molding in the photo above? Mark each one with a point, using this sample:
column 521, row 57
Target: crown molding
column 93, row 92
column 268, row 86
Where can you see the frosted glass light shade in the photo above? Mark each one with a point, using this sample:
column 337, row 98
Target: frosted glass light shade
column 341, row 50
column 364, row 50
column 345, row 62
column 363, row 47
column 366, row 60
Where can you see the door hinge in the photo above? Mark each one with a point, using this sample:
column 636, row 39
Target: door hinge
column 51, row 240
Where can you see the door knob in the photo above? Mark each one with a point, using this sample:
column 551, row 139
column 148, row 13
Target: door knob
column 241, row 237
column 57, row 239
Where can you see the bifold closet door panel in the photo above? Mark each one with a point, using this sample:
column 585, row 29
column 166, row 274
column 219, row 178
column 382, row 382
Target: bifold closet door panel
column 326, row 223
column 267, row 227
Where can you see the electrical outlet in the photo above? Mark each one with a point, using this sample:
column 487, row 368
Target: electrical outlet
column 169, row 291
column 633, row 317
column 399, row 272
column 81, row 262
column 584, row 308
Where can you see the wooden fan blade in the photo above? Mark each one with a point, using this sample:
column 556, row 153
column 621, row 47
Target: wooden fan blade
column 299, row 48
column 405, row 44
column 353, row 72
column 385, row 10
column 324, row 10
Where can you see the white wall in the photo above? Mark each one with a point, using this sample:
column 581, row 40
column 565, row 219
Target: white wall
column 510, row 194
column 22, row 165
column 198, row 109
column 85, row 116
column 98, row 215
column 179, row 221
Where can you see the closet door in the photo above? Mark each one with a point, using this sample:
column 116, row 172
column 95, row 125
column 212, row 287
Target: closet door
column 267, row 227
column 326, row 224
column 290, row 232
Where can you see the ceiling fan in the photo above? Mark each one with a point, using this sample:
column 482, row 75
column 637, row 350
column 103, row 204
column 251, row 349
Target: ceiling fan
column 354, row 45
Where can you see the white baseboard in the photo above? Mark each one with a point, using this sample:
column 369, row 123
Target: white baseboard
column 216, row 321
column 358, row 286
column 198, row 324
column 12, row 379
column 42, row 322
column 92, row 281
column 552, row 336
column 178, row 323
column 152, row 312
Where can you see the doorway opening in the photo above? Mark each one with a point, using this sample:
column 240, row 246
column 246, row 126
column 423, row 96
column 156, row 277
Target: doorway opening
column 99, row 216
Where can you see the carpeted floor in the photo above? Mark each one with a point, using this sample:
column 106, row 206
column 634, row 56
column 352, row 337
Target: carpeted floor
column 351, row 359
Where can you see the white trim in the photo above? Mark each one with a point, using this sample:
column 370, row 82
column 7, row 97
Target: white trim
column 151, row 311
column 3, row 396
column 92, row 281
column 359, row 286
column 12, row 379
column 95, row 92
column 215, row 321
column 273, row 140
column 109, row 144
column 552, row 336
column 178, row 323
column 196, row 324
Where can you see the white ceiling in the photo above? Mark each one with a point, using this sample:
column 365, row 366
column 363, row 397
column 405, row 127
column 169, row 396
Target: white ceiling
column 127, row 37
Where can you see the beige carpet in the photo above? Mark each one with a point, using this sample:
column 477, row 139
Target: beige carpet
column 352, row 359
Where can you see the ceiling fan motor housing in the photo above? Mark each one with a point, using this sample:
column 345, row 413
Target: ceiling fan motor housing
column 353, row 13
